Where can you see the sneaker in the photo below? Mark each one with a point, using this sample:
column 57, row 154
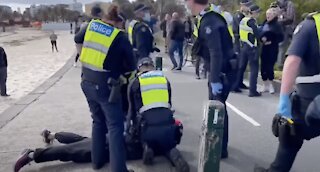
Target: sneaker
column 178, row 68
column 178, row 161
column 255, row 94
column 173, row 68
column 46, row 136
column 271, row 90
column 147, row 156
column 260, row 169
column 23, row 160
column 265, row 86
column 198, row 77
column 243, row 86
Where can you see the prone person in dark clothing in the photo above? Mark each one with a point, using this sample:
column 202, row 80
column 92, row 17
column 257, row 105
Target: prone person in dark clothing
column 3, row 73
column 75, row 148
column 271, row 35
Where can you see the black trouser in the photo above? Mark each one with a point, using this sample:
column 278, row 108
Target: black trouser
column 249, row 54
column 3, row 80
column 77, row 58
column 289, row 146
column 54, row 45
column 269, row 57
column 76, row 149
column 223, row 98
column 237, row 44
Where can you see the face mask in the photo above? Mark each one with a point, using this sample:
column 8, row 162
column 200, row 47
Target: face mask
column 147, row 17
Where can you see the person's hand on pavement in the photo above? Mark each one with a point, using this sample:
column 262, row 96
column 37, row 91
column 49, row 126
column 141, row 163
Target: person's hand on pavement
column 284, row 107
column 216, row 88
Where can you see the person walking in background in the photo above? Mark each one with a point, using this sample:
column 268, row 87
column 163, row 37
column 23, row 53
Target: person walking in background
column 165, row 29
column 176, row 35
column 3, row 73
column 287, row 20
column 53, row 39
column 271, row 36
column 188, row 28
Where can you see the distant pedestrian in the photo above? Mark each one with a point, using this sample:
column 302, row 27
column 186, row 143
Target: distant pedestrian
column 271, row 36
column 165, row 29
column 3, row 72
column 188, row 28
column 53, row 39
column 71, row 26
column 176, row 35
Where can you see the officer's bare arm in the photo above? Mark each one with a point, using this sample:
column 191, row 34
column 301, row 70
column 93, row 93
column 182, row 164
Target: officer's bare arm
column 290, row 72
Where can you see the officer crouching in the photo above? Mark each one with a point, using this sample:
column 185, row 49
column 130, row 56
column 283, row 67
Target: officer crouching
column 151, row 116
column 298, row 118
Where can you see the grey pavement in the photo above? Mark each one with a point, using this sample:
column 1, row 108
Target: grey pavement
column 62, row 106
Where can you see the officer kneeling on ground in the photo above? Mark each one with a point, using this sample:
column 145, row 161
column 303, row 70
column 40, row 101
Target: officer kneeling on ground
column 303, row 61
column 150, row 115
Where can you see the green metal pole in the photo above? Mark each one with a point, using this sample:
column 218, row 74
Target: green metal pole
column 158, row 63
column 211, row 137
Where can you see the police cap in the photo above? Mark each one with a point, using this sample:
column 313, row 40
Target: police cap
column 141, row 7
column 147, row 61
column 255, row 8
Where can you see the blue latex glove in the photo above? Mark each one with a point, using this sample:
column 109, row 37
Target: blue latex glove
column 216, row 88
column 284, row 107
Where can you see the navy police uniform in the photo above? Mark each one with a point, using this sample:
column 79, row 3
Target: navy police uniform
column 106, row 54
column 305, row 44
column 217, row 50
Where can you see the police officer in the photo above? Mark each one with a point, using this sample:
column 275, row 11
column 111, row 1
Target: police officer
column 249, row 36
column 106, row 54
column 303, row 60
column 239, row 15
column 150, row 113
column 139, row 32
column 217, row 50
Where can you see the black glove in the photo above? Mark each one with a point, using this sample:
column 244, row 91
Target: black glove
column 155, row 49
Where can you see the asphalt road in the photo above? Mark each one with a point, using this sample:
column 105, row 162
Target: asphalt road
column 250, row 139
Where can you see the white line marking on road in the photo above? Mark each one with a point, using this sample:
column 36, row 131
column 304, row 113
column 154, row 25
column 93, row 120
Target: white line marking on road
column 243, row 115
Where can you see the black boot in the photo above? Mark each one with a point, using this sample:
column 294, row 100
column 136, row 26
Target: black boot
column 148, row 154
column 23, row 160
column 178, row 161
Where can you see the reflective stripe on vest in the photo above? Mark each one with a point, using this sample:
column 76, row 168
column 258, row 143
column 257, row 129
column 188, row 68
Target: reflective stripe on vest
column 154, row 91
column 97, row 41
column 314, row 78
column 195, row 31
column 229, row 26
column 130, row 30
column 245, row 30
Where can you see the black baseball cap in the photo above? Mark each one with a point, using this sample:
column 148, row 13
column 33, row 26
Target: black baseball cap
column 141, row 7
column 255, row 8
column 147, row 61
column 246, row 2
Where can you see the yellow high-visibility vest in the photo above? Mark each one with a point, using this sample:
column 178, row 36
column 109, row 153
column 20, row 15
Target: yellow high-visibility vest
column 130, row 30
column 154, row 91
column 229, row 27
column 97, row 42
column 245, row 30
column 317, row 21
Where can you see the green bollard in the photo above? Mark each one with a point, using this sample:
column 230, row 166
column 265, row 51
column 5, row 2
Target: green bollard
column 211, row 137
column 158, row 63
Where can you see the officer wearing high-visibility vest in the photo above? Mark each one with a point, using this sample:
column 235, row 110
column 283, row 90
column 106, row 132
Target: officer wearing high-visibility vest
column 301, row 68
column 139, row 32
column 105, row 56
column 150, row 109
column 249, row 36
column 216, row 49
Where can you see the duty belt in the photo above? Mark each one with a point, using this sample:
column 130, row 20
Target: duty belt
column 308, row 79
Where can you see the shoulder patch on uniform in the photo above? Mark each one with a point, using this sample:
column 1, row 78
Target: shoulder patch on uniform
column 298, row 28
column 143, row 29
column 208, row 30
